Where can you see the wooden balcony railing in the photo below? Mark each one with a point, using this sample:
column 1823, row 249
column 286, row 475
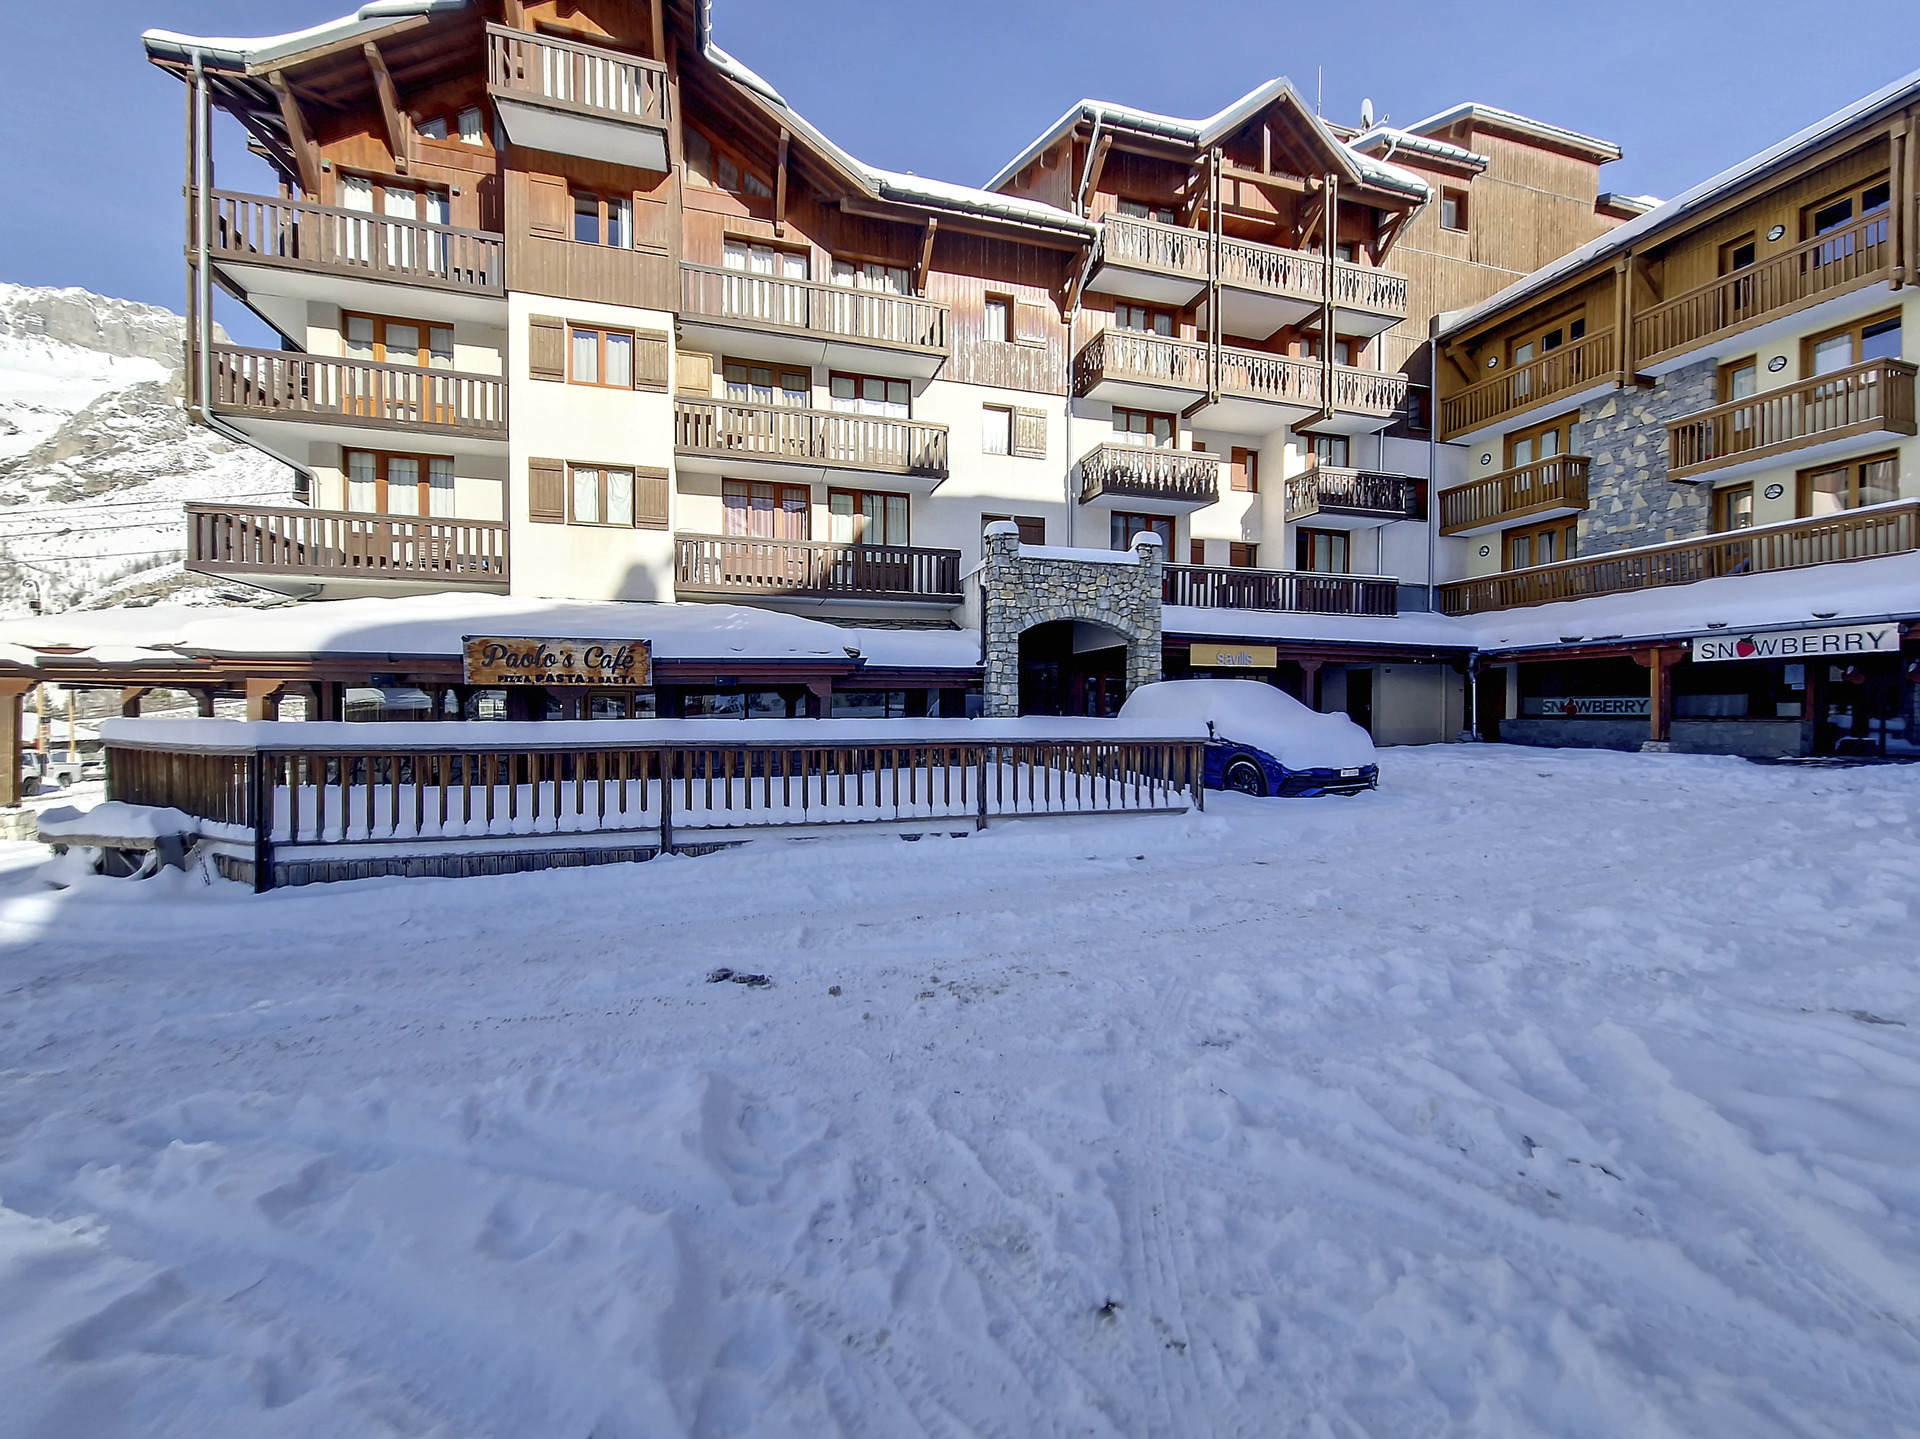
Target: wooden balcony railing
column 1813, row 269
column 1368, row 392
column 1863, row 399
column 338, row 545
column 736, row 565
column 1558, row 482
column 811, row 437
column 567, row 75
column 1249, row 265
column 279, row 384
column 1360, row 287
column 836, row 311
column 1139, row 472
column 1559, row 372
column 1149, row 245
column 1857, row 535
column 1140, row 359
column 1301, row 591
column 292, row 234
column 1329, row 490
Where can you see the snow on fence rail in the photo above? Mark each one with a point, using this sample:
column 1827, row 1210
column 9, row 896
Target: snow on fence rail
column 663, row 784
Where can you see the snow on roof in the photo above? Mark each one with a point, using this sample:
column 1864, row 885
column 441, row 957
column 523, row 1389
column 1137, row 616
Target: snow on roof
column 1526, row 125
column 1414, row 630
column 374, row 15
column 1394, row 139
column 1671, row 211
column 1608, row 199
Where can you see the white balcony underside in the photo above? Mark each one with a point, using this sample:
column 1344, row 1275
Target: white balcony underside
column 291, row 439
column 800, row 470
column 1803, row 457
column 1534, row 414
column 748, row 339
column 1153, row 287
column 561, row 132
column 280, row 297
column 1522, row 517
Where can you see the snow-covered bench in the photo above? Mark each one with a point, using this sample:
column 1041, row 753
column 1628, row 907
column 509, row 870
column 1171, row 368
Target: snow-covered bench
column 140, row 837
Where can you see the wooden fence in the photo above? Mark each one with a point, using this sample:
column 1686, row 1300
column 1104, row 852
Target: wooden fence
column 1299, row 591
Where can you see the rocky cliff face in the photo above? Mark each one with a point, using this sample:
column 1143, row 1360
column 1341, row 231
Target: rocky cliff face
column 97, row 457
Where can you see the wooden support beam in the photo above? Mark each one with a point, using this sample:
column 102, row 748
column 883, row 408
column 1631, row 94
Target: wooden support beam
column 1266, row 147
column 1623, row 317
column 1898, row 140
column 514, row 15
column 130, row 697
column 11, row 787
column 1658, row 663
column 926, row 255
column 203, row 703
column 780, row 184
column 1912, row 196
column 263, row 698
column 397, row 126
column 1090, row 182
column 657, row 15
column 306, row 158
column 1292, row 184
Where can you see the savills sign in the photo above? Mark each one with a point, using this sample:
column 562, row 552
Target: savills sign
column 1234, row 657
column 1839, row 642
column 606, row 664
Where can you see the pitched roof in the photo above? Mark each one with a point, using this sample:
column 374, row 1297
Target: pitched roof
column 1392, row 140
column 1600, row 150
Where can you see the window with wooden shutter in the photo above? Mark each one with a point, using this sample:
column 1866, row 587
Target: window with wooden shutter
column 549, row 206
column 1029, row 323
column 547, row 491
column 1033, row 528
column 1245, row 469
column 1030, row 434
column 650, row 360
column 693, row 373
column 546, row 347
column 650, row 486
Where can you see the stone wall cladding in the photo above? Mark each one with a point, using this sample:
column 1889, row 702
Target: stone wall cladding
column 1630, row 500
column 1020, row 590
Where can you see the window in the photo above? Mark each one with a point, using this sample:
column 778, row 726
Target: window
column 1346, row 250
column 1033, row 529
column 1836, row 215
column 1540, row 442
column 1541, row 544
column 747, row 298
column 600, row 357
column 874, row 395
column 1733, row 508
column 756, row 384
column 1243, row 469
column 1197, row 552
column 434, row 129
column 873, row 275
column 468, row 127
column 380, row 483
column 1331, row 450
column 864, row 517
column 600, row 495
column 719, row 167
column 761, row 511
column 1147, row 210
column 1147, row 428
column 1142, row 319
column 603, row 219
column 1453, row 209
column 1243, row 556
column 1565, row 330
column 1739, row 380
column 1874, row 338
column 875, row 704
column 1322, row 551
column 388, row 341
column 996, row 430
column 1121, row 528
column 1343, row 349
column 997, row 319
column 1737, row 254
column 1833, row 488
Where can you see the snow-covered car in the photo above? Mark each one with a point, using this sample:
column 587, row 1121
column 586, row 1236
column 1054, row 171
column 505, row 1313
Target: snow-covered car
column 1261, row 740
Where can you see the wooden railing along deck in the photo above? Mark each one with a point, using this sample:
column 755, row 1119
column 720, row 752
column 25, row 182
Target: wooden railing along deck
column 294, row 234
column 281, row 384
column 1863, row 399
column 323, row 545
column 1861, row 534
column 803, row 569
column 1559, row 372
column 1329, row 489
column 1184, row 364
column 838, row 311
column 815, row 437
column 568, row 75
column 1557, row 482
column 1302, row 591
column 1811, row 270
column 1249, row 265
column 1141, row 472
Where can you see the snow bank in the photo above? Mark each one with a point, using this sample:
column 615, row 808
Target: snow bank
column 115, row 820
column 1257, row 714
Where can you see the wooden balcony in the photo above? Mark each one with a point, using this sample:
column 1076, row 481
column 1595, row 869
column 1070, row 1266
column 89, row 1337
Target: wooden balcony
column 1553, row 486
column 1353, row 498
column 1126, row 367
column 1162, row 481
column 1364, row 401
column 263, row 545
column 1875, row 398
column 255, row 241
column 571, row 98
column 765, row 317
column 279, row 385
column 748, row 439
column 734, row 567
column 1797, row 544
column 1566, row 371
column 1814, row 270
column 1300, row 591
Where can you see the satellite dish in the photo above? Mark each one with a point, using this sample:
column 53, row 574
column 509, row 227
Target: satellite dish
column 1366, row 114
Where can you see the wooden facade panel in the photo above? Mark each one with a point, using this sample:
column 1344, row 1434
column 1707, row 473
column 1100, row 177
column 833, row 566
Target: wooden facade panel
column 543, row 259
column 968, row 268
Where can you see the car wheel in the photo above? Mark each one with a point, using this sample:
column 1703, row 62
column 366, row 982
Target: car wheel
column 1246, row 777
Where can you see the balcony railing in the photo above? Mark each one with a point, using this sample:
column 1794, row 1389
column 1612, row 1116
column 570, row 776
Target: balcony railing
column 800, row 569
column 1249, row 265
column 1359, row 494
column 1301, row 591
column 810, row 437
column 338, row 545
column 1139, row 472
column 1863, row 534
column 1183, row 365
column 567, row 75
column 278, row 384
column 1811, row 270
column 1571, row 367
column 1381, row 393
column 292, row 234
column 1865, row 399
column 803, row 306
column 1556, row 483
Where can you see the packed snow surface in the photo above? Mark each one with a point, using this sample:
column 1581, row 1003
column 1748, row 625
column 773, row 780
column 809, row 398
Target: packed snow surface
column 1539, row 1093
column 1250, row 712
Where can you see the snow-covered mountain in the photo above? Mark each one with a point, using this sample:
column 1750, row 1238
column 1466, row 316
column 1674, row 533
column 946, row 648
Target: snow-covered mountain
column 97, row 457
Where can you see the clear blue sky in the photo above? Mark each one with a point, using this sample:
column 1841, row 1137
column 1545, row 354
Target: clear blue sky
column 93, row 134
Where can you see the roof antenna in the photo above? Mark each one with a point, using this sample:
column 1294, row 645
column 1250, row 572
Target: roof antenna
column 1316, row 92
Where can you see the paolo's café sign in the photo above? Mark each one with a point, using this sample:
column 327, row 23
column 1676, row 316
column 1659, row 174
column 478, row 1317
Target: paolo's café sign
column 1838, row 642
column 603, row 664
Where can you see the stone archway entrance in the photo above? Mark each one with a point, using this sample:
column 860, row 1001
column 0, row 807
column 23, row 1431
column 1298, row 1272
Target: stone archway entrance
column 1072, row 667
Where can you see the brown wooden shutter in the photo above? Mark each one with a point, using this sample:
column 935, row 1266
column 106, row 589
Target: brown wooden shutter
column 1030, row 434
column 693, row 373
column 1197, row 551
column 1029, row 323
column 547, row 491
column 650, row 360
column 546, row 347
column 1244, row 469
column 650, row 486
column 548, row 206
column 1033, row 528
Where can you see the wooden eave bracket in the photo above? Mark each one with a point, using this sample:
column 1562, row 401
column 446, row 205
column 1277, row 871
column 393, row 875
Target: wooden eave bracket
column 779, row 181
column 298, row 140
column 397, row 127
column 926, row 255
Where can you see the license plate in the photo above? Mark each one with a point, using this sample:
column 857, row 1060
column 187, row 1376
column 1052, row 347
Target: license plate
column 1349, row 774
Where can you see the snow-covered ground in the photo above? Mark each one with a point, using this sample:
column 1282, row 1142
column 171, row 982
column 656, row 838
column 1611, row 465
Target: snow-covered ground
column 1541, row 1092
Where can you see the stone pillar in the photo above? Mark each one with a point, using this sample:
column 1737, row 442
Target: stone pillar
column 1001, row 619
column 1145, row 657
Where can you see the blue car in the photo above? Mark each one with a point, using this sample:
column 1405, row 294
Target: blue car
column 1262, row 741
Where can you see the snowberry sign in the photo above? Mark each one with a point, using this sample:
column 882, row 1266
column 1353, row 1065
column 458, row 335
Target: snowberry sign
column 1839, row 642
column 605, row 664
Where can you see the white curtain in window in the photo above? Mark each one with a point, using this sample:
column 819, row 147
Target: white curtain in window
column 440, row 486
column 619, row 360
column 586, row 357
column 362, row 471
column 403, row 485
column 620, row 497
column 355, row 192
column 471, row 132
column 586, row 496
